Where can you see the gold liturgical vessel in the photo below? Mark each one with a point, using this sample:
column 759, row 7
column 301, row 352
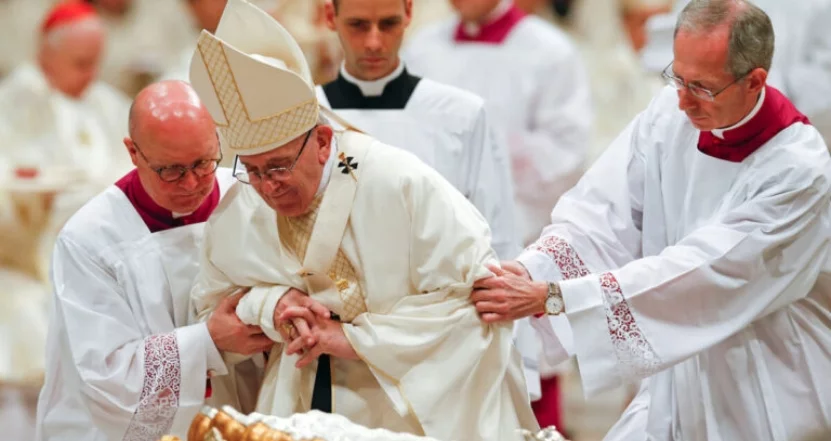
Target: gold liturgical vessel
column 218, row 425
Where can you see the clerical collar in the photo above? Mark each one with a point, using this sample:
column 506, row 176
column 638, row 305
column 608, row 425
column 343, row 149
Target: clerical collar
column 494, row 29
column 154, row 216
column 374, row 87
column 719, row 133
column 774, row 114
column 347, row 92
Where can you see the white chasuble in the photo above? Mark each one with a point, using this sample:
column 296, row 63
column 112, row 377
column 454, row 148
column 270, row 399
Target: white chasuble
column 124, row 361
column 698, row 262
column 447, row 128
column 411, row 247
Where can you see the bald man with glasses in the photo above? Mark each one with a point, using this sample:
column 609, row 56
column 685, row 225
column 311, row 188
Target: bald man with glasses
column 124, row 359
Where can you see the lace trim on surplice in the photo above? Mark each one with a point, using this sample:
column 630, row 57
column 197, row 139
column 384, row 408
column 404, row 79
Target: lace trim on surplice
column 159, row 399
column 635, row 354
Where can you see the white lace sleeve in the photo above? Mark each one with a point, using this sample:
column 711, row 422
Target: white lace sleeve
column 160, row 394
column 635, row 355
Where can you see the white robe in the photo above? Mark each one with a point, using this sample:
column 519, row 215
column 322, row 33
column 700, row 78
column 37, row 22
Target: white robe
column 124, row 362
column 709, row 279
column 536, row 93
column 417, row 246
column 801, row 66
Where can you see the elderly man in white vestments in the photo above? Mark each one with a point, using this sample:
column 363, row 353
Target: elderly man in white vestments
column 442, row 125
column 366, row 230
column 124, row 361
column 694, row 255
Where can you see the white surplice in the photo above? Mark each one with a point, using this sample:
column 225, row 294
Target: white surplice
column 708, row 278
column 801, row 66
column 416, row 246
column 536, row 93
column 124, row 362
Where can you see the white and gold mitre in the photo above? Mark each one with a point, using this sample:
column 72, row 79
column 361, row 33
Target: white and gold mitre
column 254, row 80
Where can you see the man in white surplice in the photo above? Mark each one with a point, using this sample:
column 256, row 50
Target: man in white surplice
column 695, row 253
column 536, row 91
column 364, row 229
column 123, row 360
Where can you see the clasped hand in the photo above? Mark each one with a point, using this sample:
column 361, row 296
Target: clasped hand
column 509, row 294
column 307, row 328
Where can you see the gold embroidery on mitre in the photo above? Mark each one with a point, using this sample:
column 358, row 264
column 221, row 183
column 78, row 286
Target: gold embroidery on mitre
column 241, row 131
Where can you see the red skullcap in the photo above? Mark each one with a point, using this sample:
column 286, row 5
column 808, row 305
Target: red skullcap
column 67, row 12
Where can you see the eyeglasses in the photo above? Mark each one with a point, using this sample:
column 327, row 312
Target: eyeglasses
column 173, row 173
column 274, row 174
column 697, row 91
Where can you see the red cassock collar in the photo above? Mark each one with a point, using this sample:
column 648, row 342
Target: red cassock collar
column 494, row 32
column 776, row 114
column 154, row 216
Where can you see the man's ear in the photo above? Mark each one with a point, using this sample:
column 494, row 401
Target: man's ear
column 324, row 139
column 330, row 13
column 756, row 80
column 131, row 150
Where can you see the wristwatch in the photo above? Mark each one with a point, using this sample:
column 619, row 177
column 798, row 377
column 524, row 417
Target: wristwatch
column 554, row 304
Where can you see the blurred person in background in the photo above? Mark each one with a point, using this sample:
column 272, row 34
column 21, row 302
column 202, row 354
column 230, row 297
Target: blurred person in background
column 19, row 21
column 144, row 38
column 205, row 15
column 60, row 127
column 540, row 106
column 305, row 21
column 609, row 34
column 59, row 137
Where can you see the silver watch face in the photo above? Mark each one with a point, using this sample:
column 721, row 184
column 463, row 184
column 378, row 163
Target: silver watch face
column 554, row 305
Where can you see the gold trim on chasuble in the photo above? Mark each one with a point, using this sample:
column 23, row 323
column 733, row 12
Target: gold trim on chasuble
column 247, row 133
column 295, row 233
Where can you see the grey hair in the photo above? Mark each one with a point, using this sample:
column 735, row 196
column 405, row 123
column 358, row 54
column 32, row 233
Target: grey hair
column 751, row 40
